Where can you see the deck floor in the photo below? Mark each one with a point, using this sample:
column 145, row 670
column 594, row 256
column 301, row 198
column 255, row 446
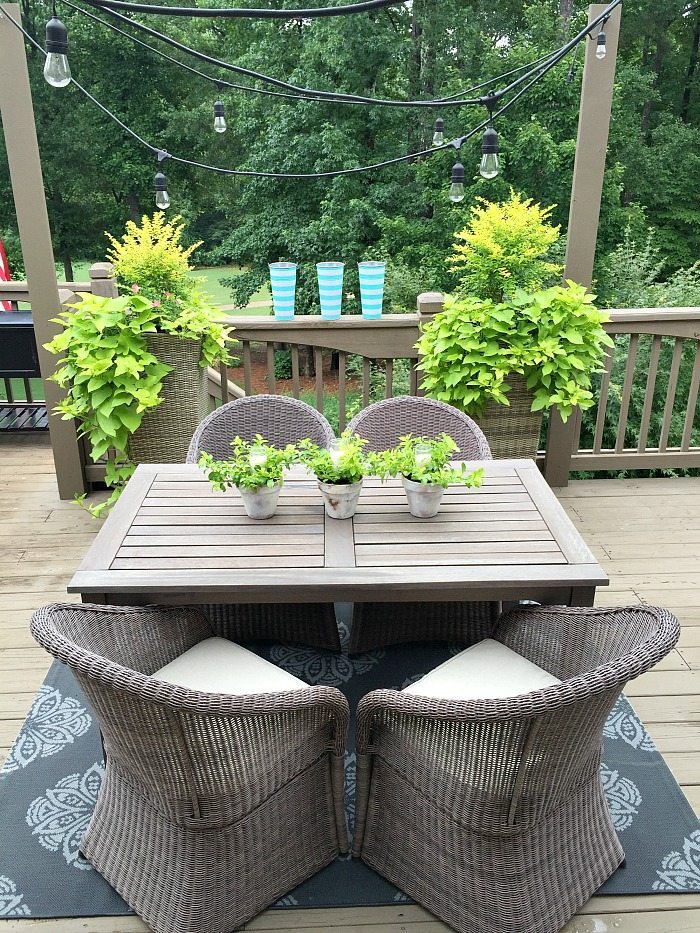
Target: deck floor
column 645, row 532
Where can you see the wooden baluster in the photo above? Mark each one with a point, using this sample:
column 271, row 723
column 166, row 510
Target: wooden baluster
column 271, row 381
column 692, row 400
column 671, row 393
column 365, row 382
column 389, row 383
column 342, row 387
column 8, row 390
column 318, row 366
column 413, row 379
column 649, row 393
column 28, row 397
column 223, row 372
column 247, row 368
column 626, row 393
column 295, row 371
column 603, row 400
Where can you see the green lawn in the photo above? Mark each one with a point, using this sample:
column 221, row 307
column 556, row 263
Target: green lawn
column 211, row 284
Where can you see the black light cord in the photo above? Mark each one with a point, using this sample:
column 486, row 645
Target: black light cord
column 264, row 91
column 456, row 144
column 330, row 95
column 207, row 12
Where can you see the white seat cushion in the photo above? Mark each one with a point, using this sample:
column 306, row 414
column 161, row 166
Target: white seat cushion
column 217, row 665
column 486, row 671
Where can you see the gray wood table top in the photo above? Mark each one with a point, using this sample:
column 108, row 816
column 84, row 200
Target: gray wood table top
column 173, row 539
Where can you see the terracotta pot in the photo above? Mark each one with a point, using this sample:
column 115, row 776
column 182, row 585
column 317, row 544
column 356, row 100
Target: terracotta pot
column 423, row 498
column 261, row 502
column 340, row 499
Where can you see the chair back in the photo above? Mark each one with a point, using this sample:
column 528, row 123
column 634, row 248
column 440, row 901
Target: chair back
column 383, row 423
column 279, row 419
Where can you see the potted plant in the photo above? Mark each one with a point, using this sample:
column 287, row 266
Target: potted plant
column 425, row 469
column 150, row 260
column 553, row 340
column 135, row 366
column 255, row 469
column 339, row 470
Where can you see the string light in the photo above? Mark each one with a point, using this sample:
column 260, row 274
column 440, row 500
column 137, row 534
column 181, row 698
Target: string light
column 457, row 186
column 439, row 134
column 219, row 117
column 602, row 46
column 56, row 67
column 161, row 183
column 230, row 13
column 456, row 194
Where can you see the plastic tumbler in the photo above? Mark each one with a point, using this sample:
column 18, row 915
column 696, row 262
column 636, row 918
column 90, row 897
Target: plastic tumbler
column 330, row 288
column 371, row 288
column 283, row 279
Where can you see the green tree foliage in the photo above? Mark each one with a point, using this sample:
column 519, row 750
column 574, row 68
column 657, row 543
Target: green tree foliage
column 97, row 177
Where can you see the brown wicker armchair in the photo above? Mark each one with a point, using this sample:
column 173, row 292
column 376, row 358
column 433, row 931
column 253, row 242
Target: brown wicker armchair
column 213, row 805
column 280, row 420
column 490, row 812
column 378, row 624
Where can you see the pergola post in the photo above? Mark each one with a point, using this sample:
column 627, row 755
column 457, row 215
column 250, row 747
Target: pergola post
column 17, row 113
column 584, row 213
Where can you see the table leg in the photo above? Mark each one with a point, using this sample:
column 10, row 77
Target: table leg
column 582, row 596
column 96, row 599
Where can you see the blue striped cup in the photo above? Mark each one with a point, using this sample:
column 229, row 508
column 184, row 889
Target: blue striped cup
column 283, row 280
column 371, row 288
column 330, row 288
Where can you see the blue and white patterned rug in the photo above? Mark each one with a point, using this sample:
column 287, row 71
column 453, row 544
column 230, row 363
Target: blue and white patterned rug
column 50, row 782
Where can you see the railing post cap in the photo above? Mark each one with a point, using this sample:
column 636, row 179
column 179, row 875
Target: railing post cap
column 102, row 270
column 430, row 303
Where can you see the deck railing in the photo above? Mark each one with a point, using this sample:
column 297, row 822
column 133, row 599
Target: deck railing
column 646, row 396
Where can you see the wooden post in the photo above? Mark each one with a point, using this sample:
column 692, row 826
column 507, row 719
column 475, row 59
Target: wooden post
column 17, row 115
column 584, row 213
column 103, row 281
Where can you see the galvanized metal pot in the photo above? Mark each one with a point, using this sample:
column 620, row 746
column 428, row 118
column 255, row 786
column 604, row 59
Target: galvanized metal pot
column 423, row 498
column 340, row 499
column 260, row 502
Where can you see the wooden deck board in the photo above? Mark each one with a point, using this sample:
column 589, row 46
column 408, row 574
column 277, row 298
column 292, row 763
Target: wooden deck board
column 628, row 523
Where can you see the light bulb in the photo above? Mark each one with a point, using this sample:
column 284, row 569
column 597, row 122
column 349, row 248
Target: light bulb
column 457, row 186
column 219, row 118
column 162, row 196
column 490, row 163
column 490, row 166
column 439, row 135
column 602, row 46
column 56, row 67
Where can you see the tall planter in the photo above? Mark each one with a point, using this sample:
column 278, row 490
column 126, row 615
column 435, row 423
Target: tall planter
column 165, row 432
column 512, row 430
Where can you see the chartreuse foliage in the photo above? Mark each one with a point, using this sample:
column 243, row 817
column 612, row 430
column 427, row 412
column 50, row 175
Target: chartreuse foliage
column 351, row 466
column 238, row 469
column 151, row 256
column 505, row 247
column 401, row 461
column 554, row 338
column 111, row 377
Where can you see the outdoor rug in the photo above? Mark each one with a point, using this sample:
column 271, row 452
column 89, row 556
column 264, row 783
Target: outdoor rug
column 50, row 782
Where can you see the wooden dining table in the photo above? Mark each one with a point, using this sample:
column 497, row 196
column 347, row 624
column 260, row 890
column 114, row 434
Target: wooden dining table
column 172, row 539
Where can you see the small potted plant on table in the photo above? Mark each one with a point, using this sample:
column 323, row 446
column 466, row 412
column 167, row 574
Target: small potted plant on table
column 339, row 470
column 424, row 466
column 255, row 469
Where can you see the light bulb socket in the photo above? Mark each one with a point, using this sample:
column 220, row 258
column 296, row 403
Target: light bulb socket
column 439, row 125
column 458, row 174
column 602, row 40
column 160, row 182
column 56, row 37
column 219, row 108
column 489, row 144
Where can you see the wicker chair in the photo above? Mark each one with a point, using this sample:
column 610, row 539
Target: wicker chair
column 383, row 423
column 490, row 812
column 280, row 420
column 378, row 624
column 213, row 805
